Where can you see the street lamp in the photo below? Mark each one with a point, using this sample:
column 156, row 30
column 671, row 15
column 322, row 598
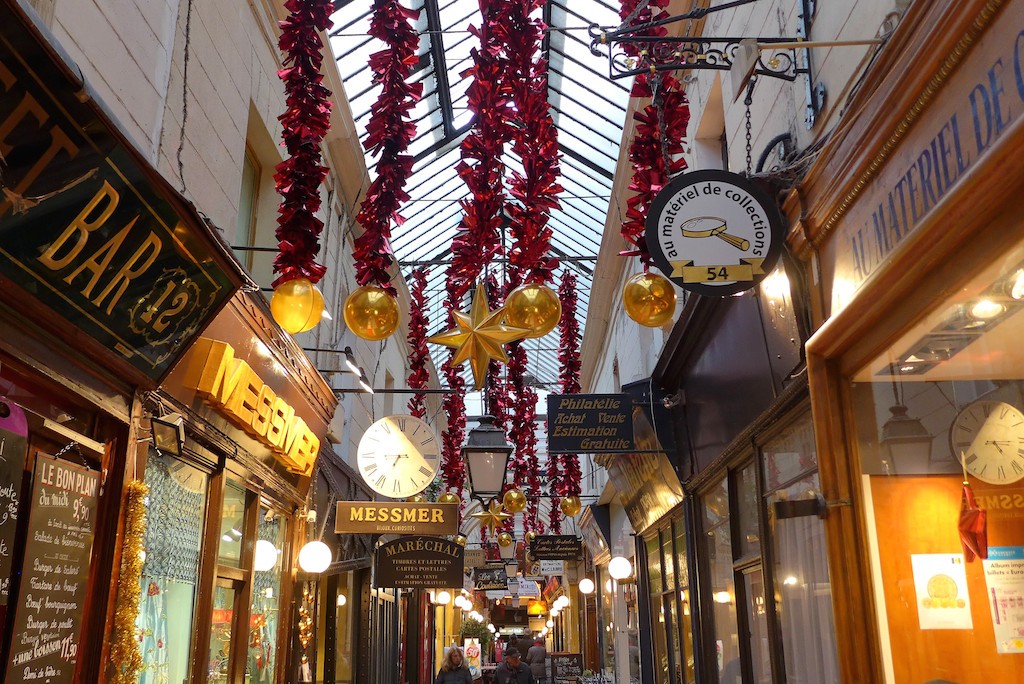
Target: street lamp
column 486, row 455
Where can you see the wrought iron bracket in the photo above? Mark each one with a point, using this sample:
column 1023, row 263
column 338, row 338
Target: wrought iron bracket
column 651, row 54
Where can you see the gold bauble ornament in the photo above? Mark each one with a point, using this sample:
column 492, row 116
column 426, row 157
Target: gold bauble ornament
column 416, row 498
column 371, row 313
column 449, row 498
column 530, row 536
column 505, row 540
column 570, row 506
column 460, row 540
column 649, row 299
column 479, row 336
column 297, row 305
column 535, row 307
column 514, row 500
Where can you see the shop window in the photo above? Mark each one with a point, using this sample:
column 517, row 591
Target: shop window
column 802, row 590
column 225, row 607
column 174, row 520
column 268, row 564
column 718, row 550
column 660, row 621
column 232, row 525
column 245, row 223
column 344, row 627
column 684, row 635
column 670, row 607
column 941, row 406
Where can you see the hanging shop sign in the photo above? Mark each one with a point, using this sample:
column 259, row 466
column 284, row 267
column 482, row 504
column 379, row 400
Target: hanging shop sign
column 48, row 617
column 356, row 517
column 552, row 567
column 87, row 228
column 524, row 587
column 418, row 563
column 237, row 392
column 981, row 101
column 714, row 232
column 475, row 558
column 556, row 547
column 566, row 666
column 590, row 423
column 490, row 579
column 13, row 451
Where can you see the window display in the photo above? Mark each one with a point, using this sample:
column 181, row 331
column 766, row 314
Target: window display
column 266, row 596
column 174, row 520
column 940, row 440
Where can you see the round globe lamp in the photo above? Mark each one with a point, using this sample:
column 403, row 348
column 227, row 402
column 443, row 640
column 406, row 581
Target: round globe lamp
column 315, row 557
column 586, row 586
column 619, row 568
column 265, row 557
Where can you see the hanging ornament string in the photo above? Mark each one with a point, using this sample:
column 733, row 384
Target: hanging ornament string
column 570, row 479
column 453, row 471
column 388, row 134
column 656, row 150
column 535, row 141
column 478, row 240
column 418, row 354
column 304, row 124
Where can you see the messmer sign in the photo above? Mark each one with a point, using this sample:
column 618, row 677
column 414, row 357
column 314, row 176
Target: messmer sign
column 398, row 517
column 714, row 233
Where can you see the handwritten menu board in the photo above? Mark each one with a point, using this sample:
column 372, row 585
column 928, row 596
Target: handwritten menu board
column 48, row 615
column 566, row 666
column 13, row 450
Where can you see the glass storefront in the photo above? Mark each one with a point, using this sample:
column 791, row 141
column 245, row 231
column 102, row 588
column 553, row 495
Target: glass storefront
column 939, row 418
column 766, row 579
column 668, row 577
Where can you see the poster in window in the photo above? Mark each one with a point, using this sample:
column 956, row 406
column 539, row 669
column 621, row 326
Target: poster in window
column 48, row 617
column 1004, row 582
column 940, row 582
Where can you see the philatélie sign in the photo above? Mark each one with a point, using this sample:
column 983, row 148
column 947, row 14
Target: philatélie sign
column 714, row 232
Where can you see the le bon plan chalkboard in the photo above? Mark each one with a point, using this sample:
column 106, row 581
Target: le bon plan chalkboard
column 48, row 620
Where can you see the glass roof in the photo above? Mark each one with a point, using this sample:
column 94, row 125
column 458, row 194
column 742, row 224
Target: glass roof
column 587, row 107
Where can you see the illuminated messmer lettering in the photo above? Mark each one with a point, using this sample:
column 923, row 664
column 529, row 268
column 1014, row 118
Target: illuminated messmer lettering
column 233, row 386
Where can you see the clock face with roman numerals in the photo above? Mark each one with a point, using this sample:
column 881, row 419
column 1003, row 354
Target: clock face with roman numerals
column 398, row 456
column 989, row 436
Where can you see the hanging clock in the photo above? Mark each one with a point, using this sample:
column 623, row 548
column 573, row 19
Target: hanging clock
column 988, row 435
column 398, row 456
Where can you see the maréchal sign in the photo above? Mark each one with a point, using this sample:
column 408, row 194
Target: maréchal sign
column 590, row 423
column 357, row 517
column 418, row 563
column 714, row 232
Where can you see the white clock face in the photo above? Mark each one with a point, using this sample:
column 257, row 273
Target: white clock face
column 989, row 437
column 398, row 456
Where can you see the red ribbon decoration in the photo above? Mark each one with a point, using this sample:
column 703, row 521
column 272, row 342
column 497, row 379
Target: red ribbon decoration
column 478, row 240
column 568, row 480
column 388, row 133
column 418, row 354
column 973, row 526
column 304, row 124
column 453, row 470
column 660, row 130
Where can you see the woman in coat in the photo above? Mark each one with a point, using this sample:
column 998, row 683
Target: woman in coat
column 454, row 669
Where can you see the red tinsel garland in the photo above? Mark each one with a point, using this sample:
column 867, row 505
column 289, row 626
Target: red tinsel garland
column 570, row 479
column 478, row 240
column 660, row 130
column 453, row 471
column 389, row 133
column 303, row 126
column 418, row 354
column 535, row 141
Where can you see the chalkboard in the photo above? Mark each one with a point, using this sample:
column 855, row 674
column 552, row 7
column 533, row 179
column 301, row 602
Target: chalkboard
column 13, row 450
column 51, row 595
column 566, row 666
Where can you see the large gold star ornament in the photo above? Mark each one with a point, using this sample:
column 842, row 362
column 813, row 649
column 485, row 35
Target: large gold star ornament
column 479, row 335
column 493, row 516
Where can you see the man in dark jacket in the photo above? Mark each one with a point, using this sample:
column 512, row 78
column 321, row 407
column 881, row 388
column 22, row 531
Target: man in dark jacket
column 512, row 671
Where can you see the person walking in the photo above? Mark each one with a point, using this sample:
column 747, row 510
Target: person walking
column 537, row 658
column 512, row 671
column 454, row 669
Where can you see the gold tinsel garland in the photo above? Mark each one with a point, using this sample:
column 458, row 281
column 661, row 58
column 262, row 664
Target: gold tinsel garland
column 125, row 656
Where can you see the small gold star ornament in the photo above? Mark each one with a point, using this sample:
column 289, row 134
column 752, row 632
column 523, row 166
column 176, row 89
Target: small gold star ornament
column 493, row 516
column 479, row 335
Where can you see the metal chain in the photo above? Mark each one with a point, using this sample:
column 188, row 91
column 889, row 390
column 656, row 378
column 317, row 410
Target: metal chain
column 748, row 100
column 66, row 448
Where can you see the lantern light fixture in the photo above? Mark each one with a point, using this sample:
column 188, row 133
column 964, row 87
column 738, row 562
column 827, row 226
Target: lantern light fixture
column 315, row 557
column 486, row 455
